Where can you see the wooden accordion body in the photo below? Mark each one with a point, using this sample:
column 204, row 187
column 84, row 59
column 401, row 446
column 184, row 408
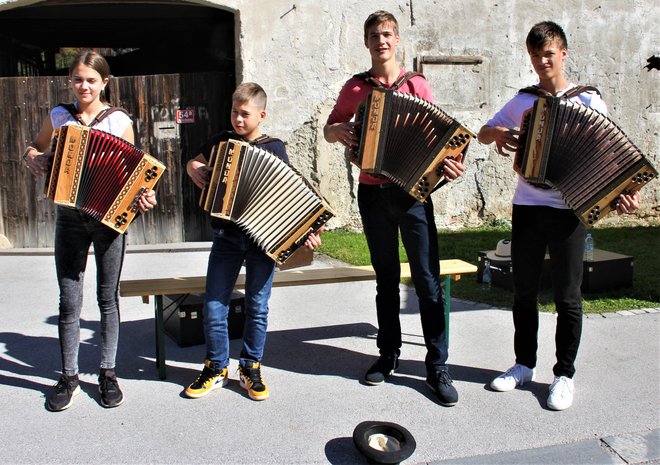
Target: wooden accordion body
column 100, row 174
column 581, row 153
column 266, row 197
column 406, row 139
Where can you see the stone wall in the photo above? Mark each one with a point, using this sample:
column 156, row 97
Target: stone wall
column 303, row 55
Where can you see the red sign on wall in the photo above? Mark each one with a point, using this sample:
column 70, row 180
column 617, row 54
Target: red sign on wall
column 185, row 116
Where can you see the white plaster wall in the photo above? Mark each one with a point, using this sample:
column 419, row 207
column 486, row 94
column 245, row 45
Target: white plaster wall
column 303, row 56
column 302, row 51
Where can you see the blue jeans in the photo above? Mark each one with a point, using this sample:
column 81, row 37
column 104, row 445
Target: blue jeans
column 386, row 210
column 231, row 247
column 74, row 232
column 535, row 229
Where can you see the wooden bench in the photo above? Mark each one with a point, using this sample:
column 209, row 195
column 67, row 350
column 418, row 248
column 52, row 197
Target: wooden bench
column 158, row 287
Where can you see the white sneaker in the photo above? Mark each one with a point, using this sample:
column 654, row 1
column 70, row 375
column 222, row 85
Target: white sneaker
column 517, row 375
column 561, row 393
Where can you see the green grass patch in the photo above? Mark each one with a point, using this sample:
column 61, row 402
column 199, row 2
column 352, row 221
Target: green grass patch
column 640, row 242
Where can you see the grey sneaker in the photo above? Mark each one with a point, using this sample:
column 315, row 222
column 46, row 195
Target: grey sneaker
column 517, row 375
column 65, row 389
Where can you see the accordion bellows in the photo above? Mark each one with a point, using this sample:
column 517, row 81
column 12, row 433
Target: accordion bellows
column 406, row 139
column 266, row 197
column 100, row 174
column 581, row 153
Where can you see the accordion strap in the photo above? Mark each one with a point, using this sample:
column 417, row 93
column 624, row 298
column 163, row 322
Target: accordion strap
column 577, row 90
column 580, row 89
column 264, row 139
column 368, row 78
column 261, row 140
column 71, row 108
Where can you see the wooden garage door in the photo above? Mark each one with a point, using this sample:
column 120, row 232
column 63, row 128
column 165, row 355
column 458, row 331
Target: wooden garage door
column 28, row 219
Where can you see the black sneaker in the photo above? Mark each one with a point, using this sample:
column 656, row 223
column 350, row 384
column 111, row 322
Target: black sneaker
column 251, row 381
column 65, row 389
column 209, row 379
column 111, row 395
column 379, row 371
column 441, row 383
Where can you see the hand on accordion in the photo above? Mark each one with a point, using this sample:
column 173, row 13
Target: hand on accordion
column 453, row 167
column 506, row 140
column 344, row 133
column 313, row 241
column 199, row 173
column 147, row 201
column 628, row 203
column 38, row 163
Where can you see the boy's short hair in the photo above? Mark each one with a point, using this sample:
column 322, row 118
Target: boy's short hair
column 380, row 17
column 250, row 92
column 544, row 32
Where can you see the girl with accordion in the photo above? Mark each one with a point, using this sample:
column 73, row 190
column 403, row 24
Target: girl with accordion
column 75, row 231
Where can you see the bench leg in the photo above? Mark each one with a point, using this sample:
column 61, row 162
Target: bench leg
column 160, row 337
column 447, row 305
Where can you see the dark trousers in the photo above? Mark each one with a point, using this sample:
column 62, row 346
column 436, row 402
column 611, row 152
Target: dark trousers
column 386, row 210
column 536, row 229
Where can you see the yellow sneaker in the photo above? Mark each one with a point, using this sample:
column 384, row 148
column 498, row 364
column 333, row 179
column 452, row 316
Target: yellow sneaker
column 250, row 375
column 207, row 381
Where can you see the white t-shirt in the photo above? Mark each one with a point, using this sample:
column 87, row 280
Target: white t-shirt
column 115, row 123
column 510, row 116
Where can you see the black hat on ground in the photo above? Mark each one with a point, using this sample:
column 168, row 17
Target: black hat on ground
column 383, row 442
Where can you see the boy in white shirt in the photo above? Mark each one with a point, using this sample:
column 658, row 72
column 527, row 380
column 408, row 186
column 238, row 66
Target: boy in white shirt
column 542, row 220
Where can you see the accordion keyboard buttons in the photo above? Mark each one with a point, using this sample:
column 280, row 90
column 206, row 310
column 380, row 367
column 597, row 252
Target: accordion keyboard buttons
column 594, row 214
column 643, row 178
column 151, row 173
column 121, row 220
column 422, row 188
column 283, row 255
column 458, row 140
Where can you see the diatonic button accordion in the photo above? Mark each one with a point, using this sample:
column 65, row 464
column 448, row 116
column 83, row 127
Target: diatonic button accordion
column 266, row 197
column 100, row 174
column 581, row 153
column 406, row 139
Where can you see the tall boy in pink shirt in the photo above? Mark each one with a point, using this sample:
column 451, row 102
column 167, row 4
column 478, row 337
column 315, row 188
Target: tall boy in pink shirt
column 386, row 209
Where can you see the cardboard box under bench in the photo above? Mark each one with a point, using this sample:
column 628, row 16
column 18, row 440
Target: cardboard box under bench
column 608, row 270
column 183, row 315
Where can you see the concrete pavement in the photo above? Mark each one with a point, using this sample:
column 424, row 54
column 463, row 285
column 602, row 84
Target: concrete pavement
column 321, row 339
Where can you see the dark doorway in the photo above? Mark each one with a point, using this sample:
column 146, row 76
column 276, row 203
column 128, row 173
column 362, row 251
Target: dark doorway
column 166, row 56
column 140, row 38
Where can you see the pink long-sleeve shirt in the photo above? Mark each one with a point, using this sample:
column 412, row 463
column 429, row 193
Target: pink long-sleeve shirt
column 356, row 90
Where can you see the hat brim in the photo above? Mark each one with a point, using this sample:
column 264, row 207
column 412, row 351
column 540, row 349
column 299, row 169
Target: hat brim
column 366, row 429
column 497, row 258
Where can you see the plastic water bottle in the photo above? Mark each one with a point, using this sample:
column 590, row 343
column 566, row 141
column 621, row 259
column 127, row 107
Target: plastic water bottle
column 589, row 248
column 486, row 277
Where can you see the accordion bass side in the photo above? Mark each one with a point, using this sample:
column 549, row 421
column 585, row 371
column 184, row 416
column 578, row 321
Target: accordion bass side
column 100, row 174
column 264, row 196
column 406, row 139
column 581, row 153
